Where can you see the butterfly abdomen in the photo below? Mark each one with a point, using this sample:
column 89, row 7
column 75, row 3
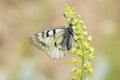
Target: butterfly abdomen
column 68, row 43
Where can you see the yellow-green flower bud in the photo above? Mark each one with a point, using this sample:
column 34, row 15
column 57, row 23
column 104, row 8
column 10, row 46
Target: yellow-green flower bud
column 78, row 72
column 85, row 33
column 86, row 66
column 74, row 69
column 89, row 39
column 91, row 50
column 90, row 57
column 80, row 38
column 84, row 27
column 79, row 54
column 78, row 32
column 73, row 78
column 74, row 50
column 86, row 45
column 79, row 16
column 90, row 71
column 81, row 22
column 74, row 61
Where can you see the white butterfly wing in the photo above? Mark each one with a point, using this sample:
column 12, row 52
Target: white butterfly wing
column 50, row 41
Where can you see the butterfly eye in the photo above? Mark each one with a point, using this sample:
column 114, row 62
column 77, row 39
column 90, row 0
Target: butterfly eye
column 71, row 24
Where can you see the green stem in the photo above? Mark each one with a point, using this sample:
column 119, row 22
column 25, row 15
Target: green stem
column 81, row 77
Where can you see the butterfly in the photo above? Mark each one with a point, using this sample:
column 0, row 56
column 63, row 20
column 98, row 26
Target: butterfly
column 55, row 42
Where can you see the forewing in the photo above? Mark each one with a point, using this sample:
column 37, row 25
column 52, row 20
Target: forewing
column 50, row 41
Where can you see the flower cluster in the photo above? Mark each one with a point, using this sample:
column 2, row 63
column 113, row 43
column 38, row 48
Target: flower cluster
column 82, row 48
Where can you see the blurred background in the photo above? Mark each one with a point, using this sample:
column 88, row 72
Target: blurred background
column 19, row 19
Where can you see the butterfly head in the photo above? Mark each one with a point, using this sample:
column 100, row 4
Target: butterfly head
column 70, row 28
column 71, row 24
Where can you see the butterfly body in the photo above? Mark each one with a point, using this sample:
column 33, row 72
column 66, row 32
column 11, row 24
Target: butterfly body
column 55, row 42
